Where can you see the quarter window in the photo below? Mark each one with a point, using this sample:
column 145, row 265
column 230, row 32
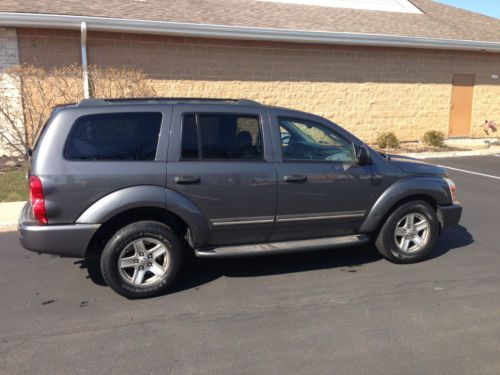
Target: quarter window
column 307, row 140
column 114, row 136
column 221, row 137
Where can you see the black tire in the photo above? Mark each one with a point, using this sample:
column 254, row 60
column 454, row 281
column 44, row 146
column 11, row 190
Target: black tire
column 386, row 243
column 126, row 236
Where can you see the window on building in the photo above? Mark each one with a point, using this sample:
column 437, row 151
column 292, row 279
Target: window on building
column 307, row 140
column 114, row 136
column 221, row 136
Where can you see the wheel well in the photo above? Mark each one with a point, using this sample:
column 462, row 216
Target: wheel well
column 107, row 229
column 426, row 198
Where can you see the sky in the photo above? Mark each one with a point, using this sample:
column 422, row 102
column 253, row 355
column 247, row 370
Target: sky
column 488, row 7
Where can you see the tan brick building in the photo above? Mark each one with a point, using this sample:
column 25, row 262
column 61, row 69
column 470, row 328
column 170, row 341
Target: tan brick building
column 369, row 65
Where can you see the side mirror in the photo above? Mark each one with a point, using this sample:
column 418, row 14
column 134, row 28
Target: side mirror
column 362, row 154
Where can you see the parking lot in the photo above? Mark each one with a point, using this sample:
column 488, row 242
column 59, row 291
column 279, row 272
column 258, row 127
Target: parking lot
column 340, row 311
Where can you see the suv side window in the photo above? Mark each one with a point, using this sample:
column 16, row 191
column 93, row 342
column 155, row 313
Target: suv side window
column 308, row 140
column 114, row 137
column 221, row 136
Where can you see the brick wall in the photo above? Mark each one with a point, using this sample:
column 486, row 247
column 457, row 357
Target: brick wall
column 365, row 89
column 9, row 86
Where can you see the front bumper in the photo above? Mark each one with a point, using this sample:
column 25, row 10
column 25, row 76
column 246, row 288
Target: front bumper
column 66, row 240
column 449, row 215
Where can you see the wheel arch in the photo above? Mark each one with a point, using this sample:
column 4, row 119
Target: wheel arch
column 433, row 191
column 111, row 226
column 138, row 203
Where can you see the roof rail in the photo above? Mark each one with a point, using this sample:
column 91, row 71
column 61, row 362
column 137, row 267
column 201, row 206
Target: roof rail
column 98, row 102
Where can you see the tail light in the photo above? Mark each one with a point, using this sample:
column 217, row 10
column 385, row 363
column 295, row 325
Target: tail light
column 38, row 200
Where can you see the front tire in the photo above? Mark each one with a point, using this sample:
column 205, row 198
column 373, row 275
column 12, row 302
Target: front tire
column 142, row 260
column 409, row 233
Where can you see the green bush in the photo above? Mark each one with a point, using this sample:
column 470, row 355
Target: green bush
column 433, row 138
column 388, row 140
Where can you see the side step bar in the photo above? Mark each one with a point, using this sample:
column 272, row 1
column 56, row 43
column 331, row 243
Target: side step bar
column 270, row 248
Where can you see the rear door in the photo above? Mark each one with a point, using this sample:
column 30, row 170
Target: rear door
column 219, row 159
column 322, row 191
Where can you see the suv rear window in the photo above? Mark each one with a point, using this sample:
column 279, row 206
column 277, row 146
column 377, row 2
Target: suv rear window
column 114, row 136
column 221, row 136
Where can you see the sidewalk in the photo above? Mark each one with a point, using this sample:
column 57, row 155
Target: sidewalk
column 9, row 212
column 492, row 150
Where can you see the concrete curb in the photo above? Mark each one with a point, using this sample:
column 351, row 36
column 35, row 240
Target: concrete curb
column 452, row 154
column 8, row 227
column 9, row 213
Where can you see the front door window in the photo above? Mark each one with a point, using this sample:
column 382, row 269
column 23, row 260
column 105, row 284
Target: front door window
column 305, row 140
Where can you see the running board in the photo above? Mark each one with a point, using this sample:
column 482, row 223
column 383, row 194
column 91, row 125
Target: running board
column 270, row 248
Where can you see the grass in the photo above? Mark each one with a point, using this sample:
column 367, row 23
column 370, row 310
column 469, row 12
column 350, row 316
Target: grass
column 13, row 186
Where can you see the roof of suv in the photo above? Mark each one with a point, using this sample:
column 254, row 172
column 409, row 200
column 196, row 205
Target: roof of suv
column 107, row 102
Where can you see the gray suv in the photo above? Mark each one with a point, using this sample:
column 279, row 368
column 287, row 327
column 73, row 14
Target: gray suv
column 141, row 182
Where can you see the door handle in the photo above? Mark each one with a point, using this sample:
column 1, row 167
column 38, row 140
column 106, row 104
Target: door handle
column 187, row 180
column 295, row 178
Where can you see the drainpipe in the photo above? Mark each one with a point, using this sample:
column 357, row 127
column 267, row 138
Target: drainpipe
column 84, row 60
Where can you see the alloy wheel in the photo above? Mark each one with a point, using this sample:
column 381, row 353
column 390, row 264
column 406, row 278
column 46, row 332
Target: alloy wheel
column 144, row 261
column 412, row 233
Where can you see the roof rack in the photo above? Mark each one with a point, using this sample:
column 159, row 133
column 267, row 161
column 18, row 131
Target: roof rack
column 99, row 102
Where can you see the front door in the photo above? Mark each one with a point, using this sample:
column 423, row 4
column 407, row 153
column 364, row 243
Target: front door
column 322, row 191
column 218, row 159
column 461, row 105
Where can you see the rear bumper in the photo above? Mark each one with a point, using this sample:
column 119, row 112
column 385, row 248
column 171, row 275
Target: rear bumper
column 65, row 240
column 449, row 215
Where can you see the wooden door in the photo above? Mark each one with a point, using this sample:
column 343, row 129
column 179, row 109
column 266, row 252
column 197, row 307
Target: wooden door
column 461, row 105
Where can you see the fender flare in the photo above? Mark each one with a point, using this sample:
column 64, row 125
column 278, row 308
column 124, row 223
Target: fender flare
column 433, row 187
column 148, row 196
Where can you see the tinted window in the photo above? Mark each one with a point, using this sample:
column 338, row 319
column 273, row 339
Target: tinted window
column 222, row 136
column 307, row 140
column 189, row 138
column 114, row 136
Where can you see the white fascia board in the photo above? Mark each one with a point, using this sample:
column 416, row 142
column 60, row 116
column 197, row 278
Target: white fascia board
column 237, row 32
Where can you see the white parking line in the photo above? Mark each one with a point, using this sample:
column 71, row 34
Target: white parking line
column 470, row 172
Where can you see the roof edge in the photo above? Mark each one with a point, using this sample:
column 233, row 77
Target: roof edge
column 237, row 32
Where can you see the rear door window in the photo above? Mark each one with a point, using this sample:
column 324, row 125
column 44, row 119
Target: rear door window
column 221, row 137
column 114, row 137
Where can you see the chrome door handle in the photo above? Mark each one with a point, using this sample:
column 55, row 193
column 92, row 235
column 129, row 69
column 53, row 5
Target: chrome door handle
column 186, row 180
column 295, row 178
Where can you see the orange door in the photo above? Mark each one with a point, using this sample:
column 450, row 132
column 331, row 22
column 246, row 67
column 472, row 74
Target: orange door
column 461, row 105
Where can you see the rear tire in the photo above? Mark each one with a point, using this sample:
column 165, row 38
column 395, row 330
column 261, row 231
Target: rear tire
column 409, row 234
column 142, row 260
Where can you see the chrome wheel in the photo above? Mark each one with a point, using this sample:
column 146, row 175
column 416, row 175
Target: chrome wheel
column 412, row 233
column 144, row 261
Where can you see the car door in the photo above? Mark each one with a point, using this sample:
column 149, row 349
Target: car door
column 218, row 158
column 322, row 190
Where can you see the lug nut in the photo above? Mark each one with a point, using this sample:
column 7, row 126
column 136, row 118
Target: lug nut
column 141, row 267
column 141, row 254
column 136, row 260
column 150, row 256
column 150, row 264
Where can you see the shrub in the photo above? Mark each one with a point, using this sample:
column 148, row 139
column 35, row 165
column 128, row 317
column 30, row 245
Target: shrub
column 388, row 140
column 28, row 93
column 433, row 138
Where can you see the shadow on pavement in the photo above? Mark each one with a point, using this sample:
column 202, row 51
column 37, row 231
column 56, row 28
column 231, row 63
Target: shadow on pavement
column 201, row 271
column 452, row 238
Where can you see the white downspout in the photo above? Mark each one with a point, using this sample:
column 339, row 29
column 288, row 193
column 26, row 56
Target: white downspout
column 85, row 68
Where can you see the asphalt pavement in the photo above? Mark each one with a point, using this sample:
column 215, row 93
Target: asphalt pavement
column 343, row 311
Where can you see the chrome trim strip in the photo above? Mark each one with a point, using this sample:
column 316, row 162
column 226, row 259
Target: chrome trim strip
column 242, row 221
column 340, row 215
